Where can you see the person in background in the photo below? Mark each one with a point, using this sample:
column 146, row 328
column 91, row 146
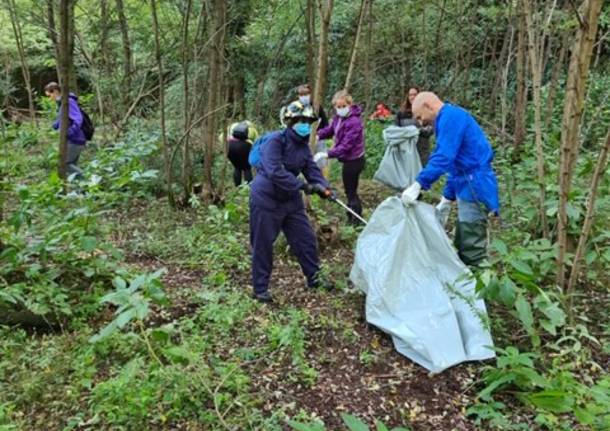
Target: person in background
column 76, row 136
column 464, row 153
column 241, row 137
column 276, row 203
column 381, row 113
column 404, row 117
column 304, row 95
column 348, row 131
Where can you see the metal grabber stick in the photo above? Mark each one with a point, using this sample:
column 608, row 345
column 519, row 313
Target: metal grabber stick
column 349, row 210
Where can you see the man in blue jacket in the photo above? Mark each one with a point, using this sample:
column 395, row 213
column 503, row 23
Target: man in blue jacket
column 276, row 203
column 76, row 136
column 465, row 155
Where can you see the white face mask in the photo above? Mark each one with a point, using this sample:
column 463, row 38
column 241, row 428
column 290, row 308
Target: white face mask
column 305, row 100
column 343, row 112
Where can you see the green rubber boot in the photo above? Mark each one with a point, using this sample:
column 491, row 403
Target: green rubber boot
column 471, row 241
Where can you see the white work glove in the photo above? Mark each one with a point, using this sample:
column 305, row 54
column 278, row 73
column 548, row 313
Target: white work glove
column 411, row 193
column 322, row 155
column 443, row 209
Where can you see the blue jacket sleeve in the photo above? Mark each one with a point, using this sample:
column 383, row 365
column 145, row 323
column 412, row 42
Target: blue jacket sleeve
column 312, row 172
column 449, row 190
column 274, row 167
column 449, row 136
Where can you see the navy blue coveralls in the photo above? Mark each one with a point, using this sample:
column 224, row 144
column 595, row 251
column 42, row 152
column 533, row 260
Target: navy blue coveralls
column 276, row 204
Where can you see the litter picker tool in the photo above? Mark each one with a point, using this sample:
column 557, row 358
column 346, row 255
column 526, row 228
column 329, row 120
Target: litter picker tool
column 349, row 210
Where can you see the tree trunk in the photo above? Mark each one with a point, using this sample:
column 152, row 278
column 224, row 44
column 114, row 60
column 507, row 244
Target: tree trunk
column 557, row 68
column 504, row 52
column 52, row 31
column 368, row 76
column 352, row 62
column 521, row 86
column 310, row 25
column 535, row 44
column 65, row 50
column 578, row 72
column 325, row 8
column 600, row 169
column 187, row 182
column 127, row 56
column 166, row 151
column 509, row 57
column 25, row 69
column 215, row 87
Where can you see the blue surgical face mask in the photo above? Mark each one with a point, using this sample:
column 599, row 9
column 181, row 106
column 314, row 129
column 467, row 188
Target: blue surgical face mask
column 305, row 100
column 302, row 129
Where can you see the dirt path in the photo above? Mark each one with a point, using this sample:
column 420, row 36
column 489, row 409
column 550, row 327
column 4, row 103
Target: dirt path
column 357, row 368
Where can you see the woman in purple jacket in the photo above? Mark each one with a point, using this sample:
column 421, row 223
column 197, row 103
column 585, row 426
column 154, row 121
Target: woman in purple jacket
column 348, row 130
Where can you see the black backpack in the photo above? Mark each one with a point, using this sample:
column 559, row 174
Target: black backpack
column 87, row 126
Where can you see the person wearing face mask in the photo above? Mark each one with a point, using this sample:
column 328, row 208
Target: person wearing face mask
column 276, row 203
column 464, row 153
column 348, row 131
column 404, row 118
column 304, row 94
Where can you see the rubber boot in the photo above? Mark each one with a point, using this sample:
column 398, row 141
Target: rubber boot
column 471, row 241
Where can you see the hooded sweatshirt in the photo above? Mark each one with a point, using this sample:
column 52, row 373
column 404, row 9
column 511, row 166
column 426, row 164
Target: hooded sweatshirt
column 349, row 135
column 75, row 133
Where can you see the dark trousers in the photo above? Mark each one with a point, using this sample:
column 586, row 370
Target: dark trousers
column 238, row 156
column 423, row 149
column 265, row 226
column 351, row 176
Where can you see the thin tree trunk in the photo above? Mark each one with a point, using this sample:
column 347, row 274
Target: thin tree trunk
column 127, row 55
column 65, row 50
column 521, row 86
column 215, row 87
column 52, row 31
column 535, row 44
column 503, row 104
column 310, row 26
column 504, row 52
column 352, row 62
column 187, row 182
column 557, row 68
column 368, row 76
column 325, row 8
column 166, row 152
column 25, row 69
column 580, row 62
column 600, row 169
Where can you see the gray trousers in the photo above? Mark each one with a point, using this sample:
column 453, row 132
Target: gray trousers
column 72, row 160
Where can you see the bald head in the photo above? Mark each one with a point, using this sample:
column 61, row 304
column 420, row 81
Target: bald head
column 426, row 107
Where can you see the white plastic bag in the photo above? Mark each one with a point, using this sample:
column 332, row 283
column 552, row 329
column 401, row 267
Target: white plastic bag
column 400, row 163
column 417, row 289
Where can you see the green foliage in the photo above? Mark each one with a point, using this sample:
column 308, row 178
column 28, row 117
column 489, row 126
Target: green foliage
column 351, row 422
column 133, row 301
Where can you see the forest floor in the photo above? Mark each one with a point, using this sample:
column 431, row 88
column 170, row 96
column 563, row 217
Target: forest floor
column 352, row 367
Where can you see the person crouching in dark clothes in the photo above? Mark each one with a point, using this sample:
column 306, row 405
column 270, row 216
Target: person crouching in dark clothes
column 404, row 118
column 241, row 137
column 276, row 203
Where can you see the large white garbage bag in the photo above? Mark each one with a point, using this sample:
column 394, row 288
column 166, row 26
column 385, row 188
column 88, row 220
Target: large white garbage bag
column 417, row 289
column 400, row 163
